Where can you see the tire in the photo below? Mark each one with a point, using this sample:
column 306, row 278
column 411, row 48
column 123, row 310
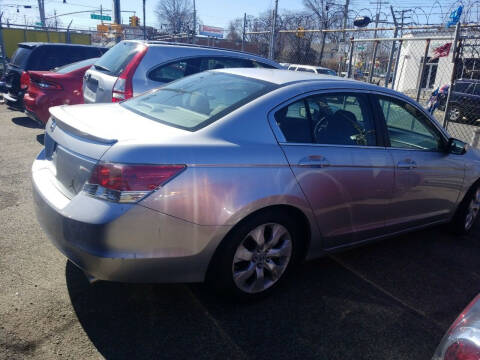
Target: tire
column 239, row 261
column 467, row 212
column 455, row 114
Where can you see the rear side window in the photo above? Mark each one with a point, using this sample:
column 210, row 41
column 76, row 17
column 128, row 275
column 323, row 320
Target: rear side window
column 198, row 100
column 335, row 119
column 178, row 69
column 20, row 57
column 117, row 58
column 175, row 70
column 75, row 66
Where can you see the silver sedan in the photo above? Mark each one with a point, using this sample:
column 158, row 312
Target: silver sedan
column 234, row 176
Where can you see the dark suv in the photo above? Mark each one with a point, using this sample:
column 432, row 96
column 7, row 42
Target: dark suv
column 464, row 101
column 39, row 56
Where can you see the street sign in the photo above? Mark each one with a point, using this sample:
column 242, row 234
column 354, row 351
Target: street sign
column 100, row 17
column 360, row 47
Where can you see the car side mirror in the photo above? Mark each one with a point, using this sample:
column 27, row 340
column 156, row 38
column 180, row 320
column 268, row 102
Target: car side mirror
column 456, row 147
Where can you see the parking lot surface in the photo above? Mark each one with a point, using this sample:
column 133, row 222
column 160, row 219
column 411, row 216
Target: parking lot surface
column 389, row 300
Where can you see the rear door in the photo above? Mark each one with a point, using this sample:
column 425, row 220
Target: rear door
column 428, row 180
column 334, row 149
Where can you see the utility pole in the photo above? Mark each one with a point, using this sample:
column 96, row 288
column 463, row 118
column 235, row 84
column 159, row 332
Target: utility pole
column 55, row 15
column 271, row 50
column 144, row 23
column 244, row 30
column 345, row 17
column 2, row 45
column 41, row 9
column 101, row 14
column 116, row 12
column 194, row 22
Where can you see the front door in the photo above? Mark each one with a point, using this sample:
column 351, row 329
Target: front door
column 330, row 141
column 428, row 180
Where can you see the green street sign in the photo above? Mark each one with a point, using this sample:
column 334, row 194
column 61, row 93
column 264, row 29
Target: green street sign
column 100, row 17
column 38, row 23
column 361, row 48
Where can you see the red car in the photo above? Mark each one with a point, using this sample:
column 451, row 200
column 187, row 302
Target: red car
column 51, row 88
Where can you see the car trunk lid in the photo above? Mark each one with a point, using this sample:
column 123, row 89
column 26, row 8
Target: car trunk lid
column 75, row 140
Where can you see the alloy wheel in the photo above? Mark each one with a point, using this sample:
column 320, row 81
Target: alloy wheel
column 472, row 211
column 262, row 257
column 455, row 114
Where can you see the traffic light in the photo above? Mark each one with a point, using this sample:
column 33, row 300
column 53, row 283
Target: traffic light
column 133, row 20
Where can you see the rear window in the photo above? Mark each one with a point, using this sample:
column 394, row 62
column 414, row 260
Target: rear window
column 117, row 58
column 20, row 57
column 75, row 66
column 193, row 102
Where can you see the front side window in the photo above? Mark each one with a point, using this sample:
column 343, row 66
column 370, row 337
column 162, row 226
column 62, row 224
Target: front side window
column 335, row 119
column 198, row 100
column 408, row 127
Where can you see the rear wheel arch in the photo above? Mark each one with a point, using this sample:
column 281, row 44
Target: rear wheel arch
column 294, row 212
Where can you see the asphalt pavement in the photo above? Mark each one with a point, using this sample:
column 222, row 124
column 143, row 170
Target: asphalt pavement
column 388, row 300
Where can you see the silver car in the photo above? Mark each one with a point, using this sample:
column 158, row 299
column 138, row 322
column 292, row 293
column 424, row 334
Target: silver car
column 134, row 66
column 235, row 175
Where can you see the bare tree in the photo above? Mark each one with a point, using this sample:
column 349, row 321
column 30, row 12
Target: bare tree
column 235, row 30
column 176, row 15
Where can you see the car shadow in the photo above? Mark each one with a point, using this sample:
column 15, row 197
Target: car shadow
column 26, row 122
column 328, row 308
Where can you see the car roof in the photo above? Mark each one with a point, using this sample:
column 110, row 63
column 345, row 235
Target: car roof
column 310, row 66
column 283, row 76
column 205, row 48
column 36, row 44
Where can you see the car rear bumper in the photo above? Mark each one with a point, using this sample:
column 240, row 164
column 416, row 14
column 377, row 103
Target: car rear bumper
column 13, row 101
column 119, row 242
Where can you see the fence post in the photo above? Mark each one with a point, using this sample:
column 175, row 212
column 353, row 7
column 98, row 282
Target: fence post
column 324, row 35
column 399, row 50
column 68, row 40
column 476, row 139
column 390, row 59
column 422, row 70
column 271, row 50
column 244, row 29
column 2, row 45
column 350, row 58
column 452, row 76
column 372, row 65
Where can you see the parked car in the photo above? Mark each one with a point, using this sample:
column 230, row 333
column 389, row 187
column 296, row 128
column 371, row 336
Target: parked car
column 233, row 176
column 51, row 88
column 34, row 56
column 133, row 67
column 312, row 69
column 462, row 340
column 464, row 101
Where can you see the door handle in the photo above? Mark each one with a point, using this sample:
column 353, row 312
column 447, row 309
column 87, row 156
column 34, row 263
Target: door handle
column 315, row 161
column 407, row 164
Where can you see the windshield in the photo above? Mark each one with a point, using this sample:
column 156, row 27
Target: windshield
column 198, row 100
column 20, row 57
column 117, row 58
column 75, row 66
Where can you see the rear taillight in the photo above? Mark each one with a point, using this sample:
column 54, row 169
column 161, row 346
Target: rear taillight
column 127, row 183
column 462, row 350
column 24, row 80
column 462, row 339
column 42, row 84
column 123, row 88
